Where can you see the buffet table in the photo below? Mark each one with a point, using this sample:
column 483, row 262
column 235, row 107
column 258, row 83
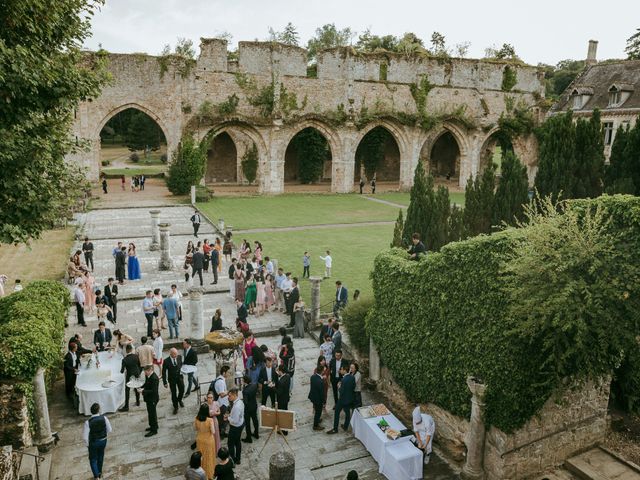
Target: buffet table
column 103, row 385
column 397, row 459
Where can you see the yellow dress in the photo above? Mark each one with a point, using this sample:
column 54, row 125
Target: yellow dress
column 206, row 445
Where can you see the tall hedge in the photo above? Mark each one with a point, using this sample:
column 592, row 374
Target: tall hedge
column 32, row 329
column 452, row 314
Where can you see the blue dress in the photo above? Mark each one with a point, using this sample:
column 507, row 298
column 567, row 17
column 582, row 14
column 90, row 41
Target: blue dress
column 133, row 269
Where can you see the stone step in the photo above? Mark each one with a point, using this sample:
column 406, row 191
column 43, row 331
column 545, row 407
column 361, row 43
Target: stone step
column 601, row 464
column 560, row 474
column 30, row 464
column 45, row 466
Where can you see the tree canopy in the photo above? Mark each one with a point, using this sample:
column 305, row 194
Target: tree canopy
column 633, row 46
column 43, row 76
column 289, row 35
column 328, row 36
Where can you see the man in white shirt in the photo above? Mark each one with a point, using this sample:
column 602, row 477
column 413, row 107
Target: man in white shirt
column 328, row 261
column 148, row 309
column 280, row 278
column 236, row 425
column 145, row 353
column 220, row 394
column 94, row 435
column 423, row 428
column 269, row 266
column 78, row 296
column 158, row 345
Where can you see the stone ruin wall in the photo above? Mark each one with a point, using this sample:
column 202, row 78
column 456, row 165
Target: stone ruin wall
column 344, row 78
column 568, row 424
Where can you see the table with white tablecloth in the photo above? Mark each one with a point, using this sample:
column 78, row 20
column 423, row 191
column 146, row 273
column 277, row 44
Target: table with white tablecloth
column 397, row 459
column 103, row 385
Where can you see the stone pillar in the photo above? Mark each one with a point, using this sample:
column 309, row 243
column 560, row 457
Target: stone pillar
column 473, row 469
column 315, row 303
column 196, row 314
column 165, row 262
column 374, row 362
column 282, row 466
column 193, row 194
column 43, row 438
column 221, row 225
column 155, row 232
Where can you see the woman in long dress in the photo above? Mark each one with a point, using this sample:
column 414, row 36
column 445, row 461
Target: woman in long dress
column 239, row 283
column 247, row 349
column 205, row 439
column 122, row 340
column 260, row 296
column 133, row 265
column 89, row 293
column 227, row 247
column 218, row 247
column 214, row 411
column 269, row 299
column 298, row 311
column 250, row 294
column 257, row 250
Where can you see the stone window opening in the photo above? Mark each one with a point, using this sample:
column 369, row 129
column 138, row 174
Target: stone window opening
column 607, row 128
column 384, row 70
column 614, row 97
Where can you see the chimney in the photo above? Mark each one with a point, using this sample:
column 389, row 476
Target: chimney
column 592, row 53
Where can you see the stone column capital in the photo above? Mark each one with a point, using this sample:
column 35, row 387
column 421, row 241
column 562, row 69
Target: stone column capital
column 154, row 213
column 164, row 226
column 195, row 293
column 477, row 388
column 315, row 279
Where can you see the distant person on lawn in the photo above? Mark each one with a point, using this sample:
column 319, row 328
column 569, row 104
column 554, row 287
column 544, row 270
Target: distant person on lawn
column 417, row 247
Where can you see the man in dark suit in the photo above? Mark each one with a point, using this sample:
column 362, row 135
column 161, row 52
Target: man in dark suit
column 342, row 297
column 171, row 372
column 121, row 262
column 215, row 259
column 102, row 337
column 190, row 358
column 267, row 379
column 283, row 390
column 241, row 310
column 294, row 296
column 130, row 365
column 249, row 397
column 77, row 339
column 316, row 396
column 111, row 296
column 346, row 397
column 335, row 373
column 326, row 329
column 197, row 263
column 71, row 366
column 151, row 398
column 336, row 338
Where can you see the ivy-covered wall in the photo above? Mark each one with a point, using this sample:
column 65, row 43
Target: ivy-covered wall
column 450, row 315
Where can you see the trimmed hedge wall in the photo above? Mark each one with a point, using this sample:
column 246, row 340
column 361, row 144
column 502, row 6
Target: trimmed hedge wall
column 32, row 329
column 448, row 316
column 354, row 320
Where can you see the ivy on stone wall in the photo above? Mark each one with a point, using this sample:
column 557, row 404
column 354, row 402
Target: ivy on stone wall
column 466, row 310
column 509, row 78
column 370, row 151
column 312, row 150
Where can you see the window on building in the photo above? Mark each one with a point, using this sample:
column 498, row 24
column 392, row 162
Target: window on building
column 614, row 97
column 577, row 102
column 607, row 127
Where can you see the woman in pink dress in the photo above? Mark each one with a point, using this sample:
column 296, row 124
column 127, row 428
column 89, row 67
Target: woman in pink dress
column 214, row 411
column 247, row 354
column 269, row 299
column 260, row 296
column 257, row 251
column 239, row 283
column 89, row 294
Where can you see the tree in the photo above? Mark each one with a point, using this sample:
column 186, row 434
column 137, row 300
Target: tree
column 368, row 42
column 618, row 174
column 437, row 234
column 328, row 36
column 633, row 46
column 143, row 133
column 512, row 193
column 184, row 48
column 249, row 163
column 43, row 76
column 439, row 45
column 588, row 161
column 409, row 44
column 420, row 204
column 479, row 202
column 560, row 76
column 288, row 36
column 370, row 151
column 557, row 139
column 188, row 165
column 397, row 231
column 312, row 151
column 506, row 52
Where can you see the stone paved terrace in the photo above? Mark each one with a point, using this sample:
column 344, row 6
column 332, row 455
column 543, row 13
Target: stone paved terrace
column 129, row 454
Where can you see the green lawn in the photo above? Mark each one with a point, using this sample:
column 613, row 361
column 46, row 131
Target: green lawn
column 353, row 250
column 135, row 170
column 402, row 198
column 295, row 209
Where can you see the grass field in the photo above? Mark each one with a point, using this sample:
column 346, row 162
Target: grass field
column 352, row 249
column 296, row 209
column 134, row 170
column 402, row 198
column 45, row 259
column 120, row 154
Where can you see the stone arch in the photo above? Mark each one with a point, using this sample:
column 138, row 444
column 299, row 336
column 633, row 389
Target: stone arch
column 490, row 143
column 289, row 165
column 393, row 169
column 236, row 129
column 136, row 106
column 446, row 151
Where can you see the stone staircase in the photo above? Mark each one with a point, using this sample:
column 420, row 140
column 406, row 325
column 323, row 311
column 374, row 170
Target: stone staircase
column 34, row 465
column 601, row 464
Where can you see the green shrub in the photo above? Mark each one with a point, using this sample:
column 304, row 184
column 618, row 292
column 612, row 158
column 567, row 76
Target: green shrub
column 249, row 164
column 134, row 157
column 472, row 309
column 203, row 194
column 188, row 165
column 32, row 329
column 354, row 320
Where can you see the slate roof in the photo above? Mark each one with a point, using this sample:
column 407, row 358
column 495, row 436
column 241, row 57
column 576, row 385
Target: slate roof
column 597, row 79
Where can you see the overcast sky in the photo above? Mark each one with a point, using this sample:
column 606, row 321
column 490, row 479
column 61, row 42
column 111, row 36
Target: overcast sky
column 540, row 30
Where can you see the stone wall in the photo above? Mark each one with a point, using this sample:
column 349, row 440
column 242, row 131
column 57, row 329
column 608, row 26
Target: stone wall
column 8, row 464
column 14, row 416
column 345, row 101
column 570, row 423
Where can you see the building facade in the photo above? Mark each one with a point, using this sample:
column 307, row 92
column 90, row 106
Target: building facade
column 441, row 111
